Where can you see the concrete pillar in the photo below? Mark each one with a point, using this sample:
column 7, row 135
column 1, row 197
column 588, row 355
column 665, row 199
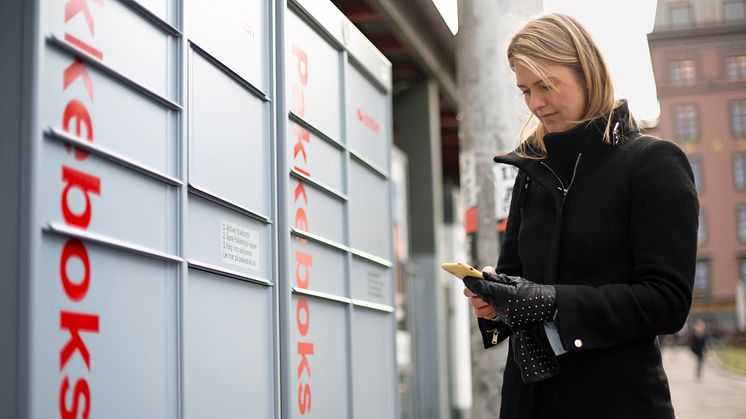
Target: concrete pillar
column 417, row 132
column 489, row 106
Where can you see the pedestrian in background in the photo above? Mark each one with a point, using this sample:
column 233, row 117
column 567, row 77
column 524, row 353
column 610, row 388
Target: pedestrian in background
column 599, row 250
column 698, row 344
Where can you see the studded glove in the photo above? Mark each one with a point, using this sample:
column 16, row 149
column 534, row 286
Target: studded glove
column 533, row 354
column 519, row 302
column 524, row 306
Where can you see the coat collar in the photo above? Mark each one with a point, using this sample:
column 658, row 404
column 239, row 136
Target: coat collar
column 586, row 138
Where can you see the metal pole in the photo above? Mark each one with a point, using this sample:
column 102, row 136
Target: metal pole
column 489, row 122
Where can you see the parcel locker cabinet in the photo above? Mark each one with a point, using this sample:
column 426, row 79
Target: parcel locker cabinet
column 162, row 269
column 152, row 246
column 104, row 293
column 340, row 361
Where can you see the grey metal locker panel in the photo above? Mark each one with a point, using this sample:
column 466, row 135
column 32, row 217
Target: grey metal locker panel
column 371, row 281
column 159, row 8
column 373, row 382
column 126, row 321
column 229, row 138
column 111, row 116
column 317, row 267
column 319, row 359
column 315, row 157
column 367, row 121
column 119, row 37
column 312, row 77
column 223, row 238
column 315, row 211
column 234, row 32
column 122, row 204
column 370, row 212
column 229, row 349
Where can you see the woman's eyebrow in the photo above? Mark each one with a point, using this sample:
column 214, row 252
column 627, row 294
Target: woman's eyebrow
column 552, row 79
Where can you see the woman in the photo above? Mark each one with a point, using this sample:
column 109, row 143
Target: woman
column 599, row 250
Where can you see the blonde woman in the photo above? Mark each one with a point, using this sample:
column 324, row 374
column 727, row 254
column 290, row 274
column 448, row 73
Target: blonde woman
column 599, row 250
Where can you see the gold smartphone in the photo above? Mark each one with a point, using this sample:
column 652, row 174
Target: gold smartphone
column 461, row 270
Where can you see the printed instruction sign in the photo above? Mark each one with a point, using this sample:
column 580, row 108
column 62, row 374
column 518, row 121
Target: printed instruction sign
column 239, row 245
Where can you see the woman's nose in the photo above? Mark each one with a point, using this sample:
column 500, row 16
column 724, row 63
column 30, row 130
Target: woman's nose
column 536, row 102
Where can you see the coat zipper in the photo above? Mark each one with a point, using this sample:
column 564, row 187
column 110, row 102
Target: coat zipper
column 562, row 185
column 494, row 336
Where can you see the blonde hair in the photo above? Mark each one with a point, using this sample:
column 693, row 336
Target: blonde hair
column 557, row 39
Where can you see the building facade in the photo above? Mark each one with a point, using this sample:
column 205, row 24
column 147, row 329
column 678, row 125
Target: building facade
column 698, row 51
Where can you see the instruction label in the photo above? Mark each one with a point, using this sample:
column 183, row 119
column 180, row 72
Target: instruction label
column 240, row 246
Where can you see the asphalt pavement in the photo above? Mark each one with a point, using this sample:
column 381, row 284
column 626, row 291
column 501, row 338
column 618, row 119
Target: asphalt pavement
column 719, row 394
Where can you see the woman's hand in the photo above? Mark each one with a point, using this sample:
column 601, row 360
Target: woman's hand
column 481, row 308
column 517, row 301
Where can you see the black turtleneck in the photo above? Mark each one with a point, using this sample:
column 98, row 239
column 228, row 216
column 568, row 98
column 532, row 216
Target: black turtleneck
column 562, row 152
column 564, row 147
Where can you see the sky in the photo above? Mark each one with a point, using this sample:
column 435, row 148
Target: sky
column 620, row 30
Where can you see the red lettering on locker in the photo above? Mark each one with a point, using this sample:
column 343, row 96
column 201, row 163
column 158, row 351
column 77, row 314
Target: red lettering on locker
column 85, row 183
column 75, row 70
column 368, row 121
column 304, row 398
column 304, row 350
column 299, row 101
column 84, row 46
column 302, row 65
column 301, row 222
column 302, row 320
column 301, row 136
column 81, row 389
column 75, row 291
column 76, row 110
column 300, row 189
column 75, row 323
column 303, row 262
column 73, row 7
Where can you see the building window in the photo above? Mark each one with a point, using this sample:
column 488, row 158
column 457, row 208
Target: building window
column 702, row 228
column 738, row 118
column 696, row 164
column 680, row 15
column 742, row 263
column 741, row 222
column 683, row 72
column 734, row 10
column 702, row 276
column 686, row 122
column 739, row 170
column 735, row 67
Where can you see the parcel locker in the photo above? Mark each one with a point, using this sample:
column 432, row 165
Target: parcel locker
column 198, row 208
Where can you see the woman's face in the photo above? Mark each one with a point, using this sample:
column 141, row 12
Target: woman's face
column 556, row 106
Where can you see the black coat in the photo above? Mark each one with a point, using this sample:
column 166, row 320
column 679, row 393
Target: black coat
column 620, row 248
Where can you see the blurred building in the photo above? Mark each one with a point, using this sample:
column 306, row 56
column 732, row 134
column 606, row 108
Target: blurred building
column 698, row 50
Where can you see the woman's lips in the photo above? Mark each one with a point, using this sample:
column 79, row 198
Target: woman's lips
column 546, row 116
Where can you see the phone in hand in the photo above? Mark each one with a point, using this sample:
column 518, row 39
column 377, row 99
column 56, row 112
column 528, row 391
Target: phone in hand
column 461, row 270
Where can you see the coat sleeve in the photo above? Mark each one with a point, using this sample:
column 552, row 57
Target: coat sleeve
column 508, row 263
column 664, row 212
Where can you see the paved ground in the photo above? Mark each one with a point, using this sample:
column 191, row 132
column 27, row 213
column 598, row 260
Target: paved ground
column 718, row 395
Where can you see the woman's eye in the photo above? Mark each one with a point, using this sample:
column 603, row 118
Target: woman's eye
column 544, row 87
column 525, row 92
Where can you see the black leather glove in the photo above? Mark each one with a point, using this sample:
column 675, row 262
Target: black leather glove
column 533, row 354
column 519, row 302
column 524, row 306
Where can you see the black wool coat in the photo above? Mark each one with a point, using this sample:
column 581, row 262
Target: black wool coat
column 615, row 231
